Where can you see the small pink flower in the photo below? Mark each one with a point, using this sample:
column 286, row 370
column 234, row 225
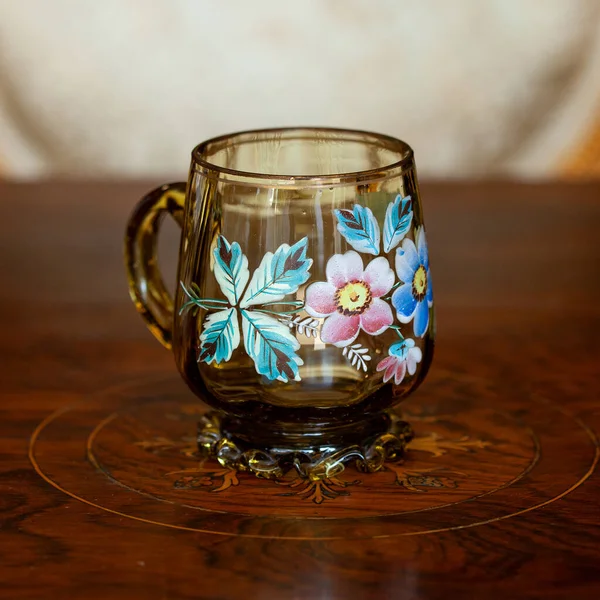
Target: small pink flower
column 351, row 298
column 403, row 356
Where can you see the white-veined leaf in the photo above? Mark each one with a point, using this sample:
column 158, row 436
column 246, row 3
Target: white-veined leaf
column 398, row 218
column 220, row 336
column 271, row 346
column 359, row 228
column 231, row 269
column 278, row 274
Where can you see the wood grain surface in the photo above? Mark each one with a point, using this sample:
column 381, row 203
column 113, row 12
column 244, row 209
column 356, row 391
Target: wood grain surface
column 103, row 496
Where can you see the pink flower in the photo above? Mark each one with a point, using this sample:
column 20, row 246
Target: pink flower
column 351, row 298
column 403, row 356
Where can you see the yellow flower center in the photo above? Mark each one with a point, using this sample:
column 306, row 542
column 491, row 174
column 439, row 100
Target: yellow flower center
column 419, row 283
column 354, row 298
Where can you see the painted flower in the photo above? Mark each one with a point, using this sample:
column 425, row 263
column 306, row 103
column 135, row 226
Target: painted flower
column 414, row 297
column 351, row 298
column 403, row 356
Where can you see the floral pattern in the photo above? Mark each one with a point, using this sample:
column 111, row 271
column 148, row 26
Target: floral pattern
column 403, row 356
column 263, row 311
column 351, row 298
column 267, row 340
column 414, row 298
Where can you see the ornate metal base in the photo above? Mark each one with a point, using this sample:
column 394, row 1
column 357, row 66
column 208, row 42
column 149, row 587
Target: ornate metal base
column 313, row 464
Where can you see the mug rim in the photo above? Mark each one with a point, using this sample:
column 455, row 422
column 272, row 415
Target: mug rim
column 374, row 174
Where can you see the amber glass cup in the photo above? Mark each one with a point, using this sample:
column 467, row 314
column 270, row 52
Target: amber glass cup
column 304, row 309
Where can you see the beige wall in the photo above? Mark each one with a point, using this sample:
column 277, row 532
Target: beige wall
column 127, row 87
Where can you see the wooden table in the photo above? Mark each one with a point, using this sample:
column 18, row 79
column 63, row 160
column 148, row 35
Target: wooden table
column 499, row 496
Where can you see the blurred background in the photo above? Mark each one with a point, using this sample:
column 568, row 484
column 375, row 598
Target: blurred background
column 125, row 88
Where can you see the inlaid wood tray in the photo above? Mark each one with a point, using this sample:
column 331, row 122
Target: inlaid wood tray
column 479, row 456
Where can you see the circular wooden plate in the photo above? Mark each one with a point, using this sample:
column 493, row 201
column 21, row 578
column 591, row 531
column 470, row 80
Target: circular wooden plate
column 480, row 455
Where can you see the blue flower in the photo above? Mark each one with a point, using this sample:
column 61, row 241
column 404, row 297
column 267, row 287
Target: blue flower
column 413, row 299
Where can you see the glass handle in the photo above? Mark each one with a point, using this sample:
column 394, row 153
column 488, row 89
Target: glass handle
column 146, row 285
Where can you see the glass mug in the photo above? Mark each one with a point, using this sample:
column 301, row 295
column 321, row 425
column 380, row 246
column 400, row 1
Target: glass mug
column 304, row 309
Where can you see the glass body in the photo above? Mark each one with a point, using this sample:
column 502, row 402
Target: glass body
column 304, row 306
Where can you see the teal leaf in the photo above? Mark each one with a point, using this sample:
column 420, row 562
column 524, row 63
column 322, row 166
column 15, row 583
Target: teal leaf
column 278, row 274
column 359, row 228
column 271, row 346
column 220, row 336
column 398, row 218
column 231, row 269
